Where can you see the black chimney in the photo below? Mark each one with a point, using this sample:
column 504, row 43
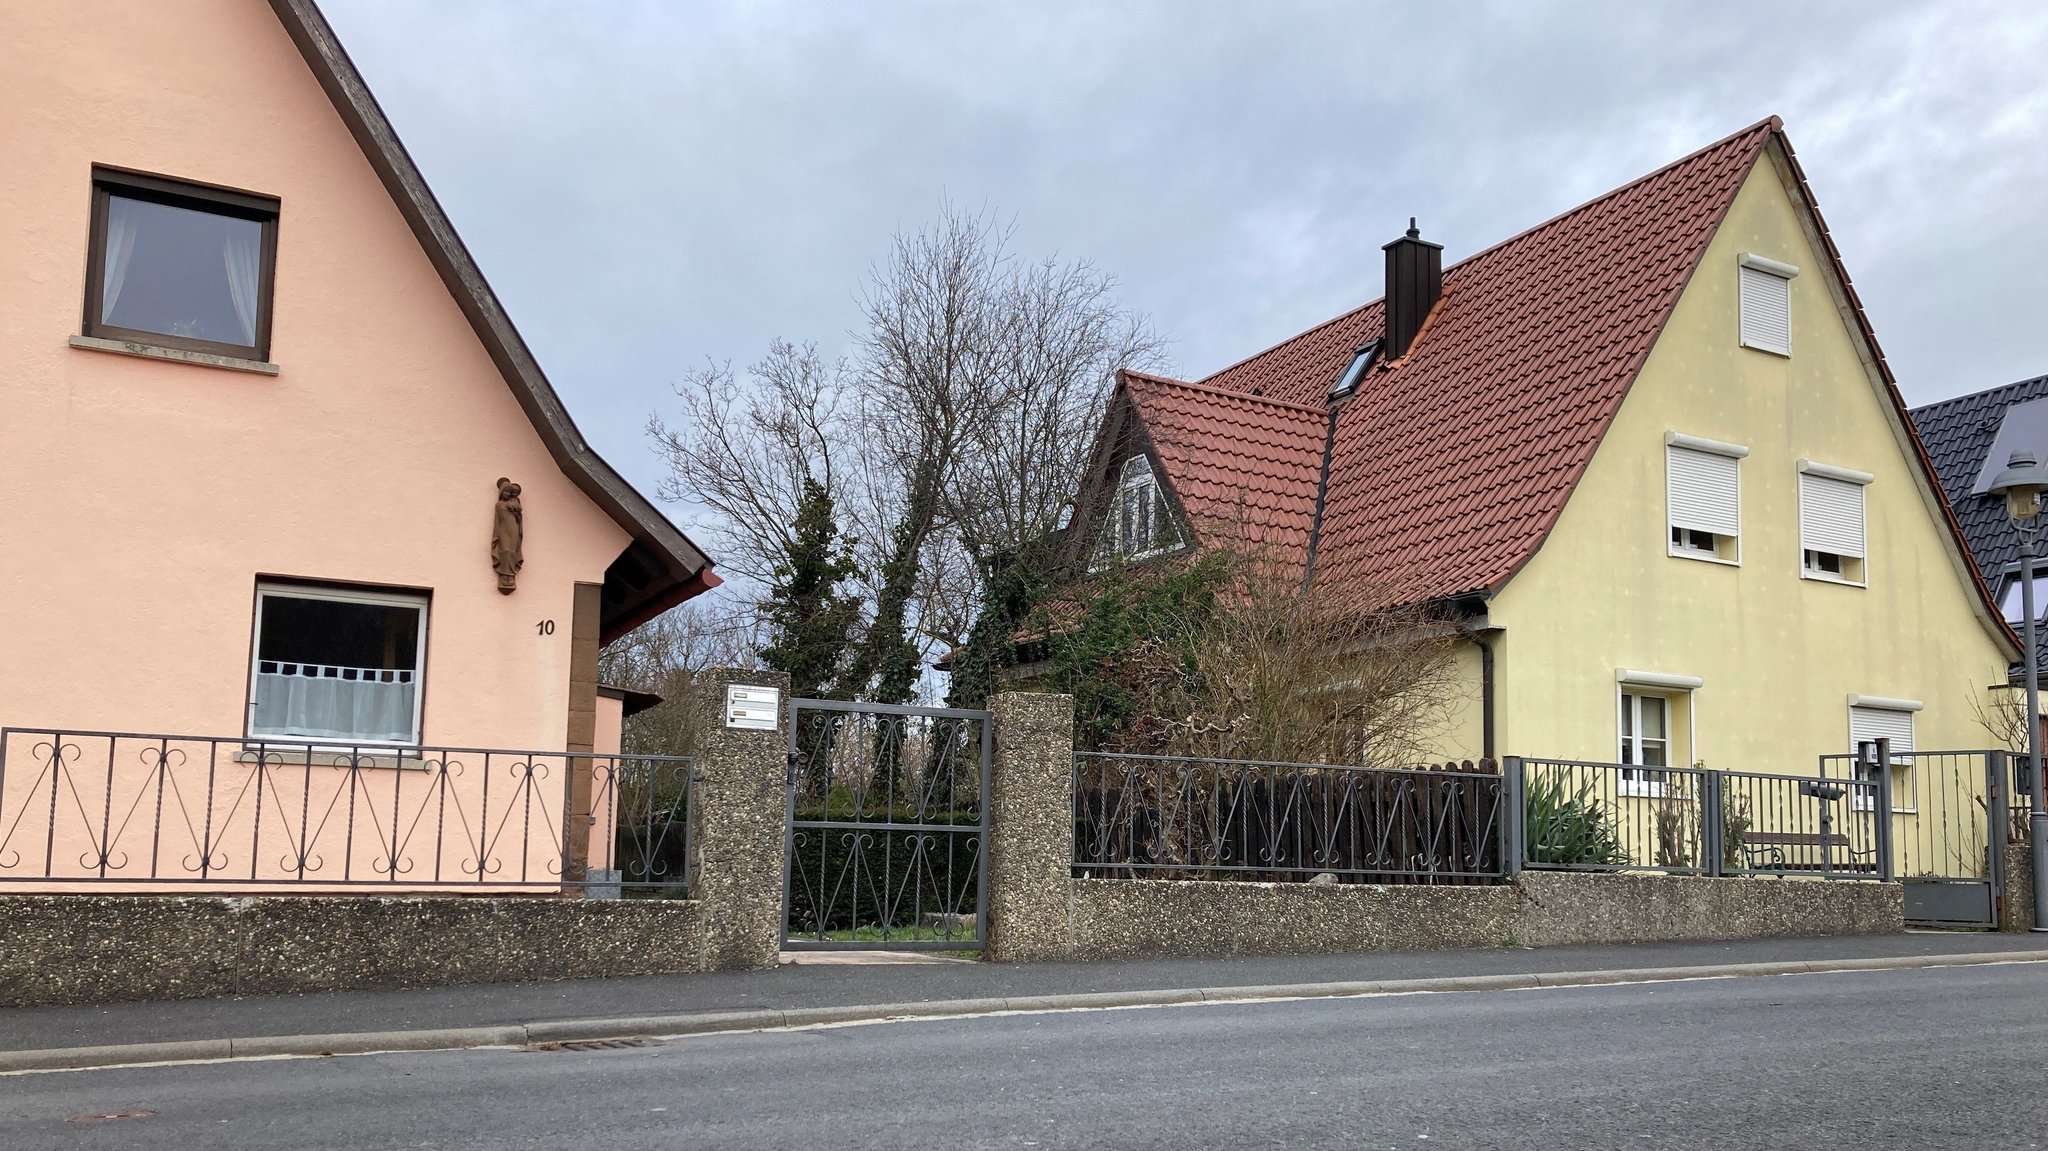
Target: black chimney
column 1415, row 278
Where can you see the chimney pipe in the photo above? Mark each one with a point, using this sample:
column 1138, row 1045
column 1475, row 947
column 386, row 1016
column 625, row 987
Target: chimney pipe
column 1415, row 278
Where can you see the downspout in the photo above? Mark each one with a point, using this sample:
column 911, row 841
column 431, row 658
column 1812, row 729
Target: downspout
column 1478, row 637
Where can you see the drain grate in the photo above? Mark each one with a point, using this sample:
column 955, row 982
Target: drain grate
column 110, row 1116
column 596, row 1044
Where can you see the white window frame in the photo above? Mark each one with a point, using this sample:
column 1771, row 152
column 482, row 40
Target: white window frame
column 1762, row 270
column 1137, row 474
column 1902, row 762
column 1637, row 780
column 1675, row 442
column 335, row 594
column 1851, row 476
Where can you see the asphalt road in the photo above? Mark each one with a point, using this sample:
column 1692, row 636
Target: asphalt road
column 1941, row 1058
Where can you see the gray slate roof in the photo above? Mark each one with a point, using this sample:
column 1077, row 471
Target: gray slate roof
column 1957, row 433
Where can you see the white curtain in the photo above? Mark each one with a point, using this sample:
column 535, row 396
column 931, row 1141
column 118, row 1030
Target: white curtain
column 240, row 254
column 121, row 226
column 324, row 707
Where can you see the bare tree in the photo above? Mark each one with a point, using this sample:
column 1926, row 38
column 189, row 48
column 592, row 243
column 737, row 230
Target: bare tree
column 744, row 449
column 664, row 655
column 1063, row 336
column 971, row 393
column 982, row 380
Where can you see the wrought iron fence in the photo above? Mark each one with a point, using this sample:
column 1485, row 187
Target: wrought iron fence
column 886, row 841
column 102, row 808
column 1946, row 809
column 1583, row 816
column 1165, row 817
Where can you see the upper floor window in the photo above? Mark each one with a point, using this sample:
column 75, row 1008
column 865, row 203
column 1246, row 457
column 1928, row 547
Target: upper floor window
column 1831, row 534
column 1138, row 523
column 1703, row 493
column 180, row 265
column 2012, row 597
column 337, row 664
column 1766, row 304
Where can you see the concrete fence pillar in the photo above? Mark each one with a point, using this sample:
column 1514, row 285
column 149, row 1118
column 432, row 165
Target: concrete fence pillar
column 1031, row 828
column 738, row 806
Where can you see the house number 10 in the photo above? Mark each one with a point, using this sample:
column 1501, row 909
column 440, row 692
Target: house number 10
column 545, row 627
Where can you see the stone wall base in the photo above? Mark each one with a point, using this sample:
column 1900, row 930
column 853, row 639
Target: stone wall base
column 1127, row 919
column 106, row 948
column 2016, row 909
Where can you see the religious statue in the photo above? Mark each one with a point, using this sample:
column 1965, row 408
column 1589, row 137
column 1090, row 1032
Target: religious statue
column 508, row 536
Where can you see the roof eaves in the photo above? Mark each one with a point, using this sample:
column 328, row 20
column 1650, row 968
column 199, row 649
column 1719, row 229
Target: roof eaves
column 689, row 569
column 1930, row 479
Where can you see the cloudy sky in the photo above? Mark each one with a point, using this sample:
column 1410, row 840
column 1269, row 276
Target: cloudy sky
column 650, row 184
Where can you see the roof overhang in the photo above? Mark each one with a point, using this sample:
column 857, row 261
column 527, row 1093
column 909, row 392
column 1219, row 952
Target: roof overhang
column 661, row 567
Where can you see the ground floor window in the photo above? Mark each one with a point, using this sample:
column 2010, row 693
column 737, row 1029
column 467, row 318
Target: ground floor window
column 1867, row 725
column 337, row 663
column 1645, row 741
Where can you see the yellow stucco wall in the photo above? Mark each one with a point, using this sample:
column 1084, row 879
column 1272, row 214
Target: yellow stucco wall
column 1779, row 655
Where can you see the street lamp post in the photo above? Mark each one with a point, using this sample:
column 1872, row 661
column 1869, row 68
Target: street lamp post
column 2021, row 483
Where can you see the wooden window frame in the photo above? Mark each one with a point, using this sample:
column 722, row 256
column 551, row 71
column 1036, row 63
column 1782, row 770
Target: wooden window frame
column 108, row 182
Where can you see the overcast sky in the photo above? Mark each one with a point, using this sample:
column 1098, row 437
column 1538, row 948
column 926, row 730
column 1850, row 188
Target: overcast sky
column 651, row 184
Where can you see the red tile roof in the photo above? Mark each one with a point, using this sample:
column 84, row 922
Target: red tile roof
column 1240, row 465
column 1452, row 462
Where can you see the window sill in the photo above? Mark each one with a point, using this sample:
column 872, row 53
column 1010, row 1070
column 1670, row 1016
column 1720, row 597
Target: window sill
column 1781, row 353
column 1644, row 791
column 1824, row 577
column 175, row 355
column 1703, row 557
column 296, row 755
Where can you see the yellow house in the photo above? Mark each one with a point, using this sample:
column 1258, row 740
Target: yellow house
column 1647, row 453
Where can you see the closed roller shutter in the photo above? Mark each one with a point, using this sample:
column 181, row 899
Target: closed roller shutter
column 1830, row 515
column 1766, row 311
column 1867, row 724
column 1705, row 491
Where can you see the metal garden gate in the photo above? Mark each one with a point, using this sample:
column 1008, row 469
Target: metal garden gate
column 886, row 844
column 1948, row 828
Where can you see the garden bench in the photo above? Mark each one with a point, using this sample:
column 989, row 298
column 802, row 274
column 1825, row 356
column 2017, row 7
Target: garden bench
column 1785, row 851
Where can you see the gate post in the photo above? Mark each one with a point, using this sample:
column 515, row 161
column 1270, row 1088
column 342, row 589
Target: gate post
column 739, row 803
column 1514, row 818
column 1886, row 865
column 1713, row 832
column 1031, row 827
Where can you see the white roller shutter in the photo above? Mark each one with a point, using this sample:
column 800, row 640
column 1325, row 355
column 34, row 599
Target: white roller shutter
column 1867, row 724
column 1830, row 515
column 1704, row 491
column 1766, row 311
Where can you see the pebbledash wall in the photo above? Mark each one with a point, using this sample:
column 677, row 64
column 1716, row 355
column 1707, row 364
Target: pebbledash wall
column 1038, row 911
column 85, row 948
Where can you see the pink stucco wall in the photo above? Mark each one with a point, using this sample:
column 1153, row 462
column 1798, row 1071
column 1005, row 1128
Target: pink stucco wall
column 141, row 500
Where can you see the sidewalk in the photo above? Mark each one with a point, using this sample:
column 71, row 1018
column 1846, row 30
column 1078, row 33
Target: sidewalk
column 802, row 986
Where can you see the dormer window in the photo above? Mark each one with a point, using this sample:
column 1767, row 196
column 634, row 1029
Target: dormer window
column 1138, row 523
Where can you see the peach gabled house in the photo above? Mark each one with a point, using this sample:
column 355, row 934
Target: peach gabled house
column 256, row 400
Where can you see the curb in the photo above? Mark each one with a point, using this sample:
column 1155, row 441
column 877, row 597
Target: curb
column 703, row 1023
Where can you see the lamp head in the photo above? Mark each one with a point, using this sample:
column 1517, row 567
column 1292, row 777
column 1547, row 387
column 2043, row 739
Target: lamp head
column 2021, row 483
